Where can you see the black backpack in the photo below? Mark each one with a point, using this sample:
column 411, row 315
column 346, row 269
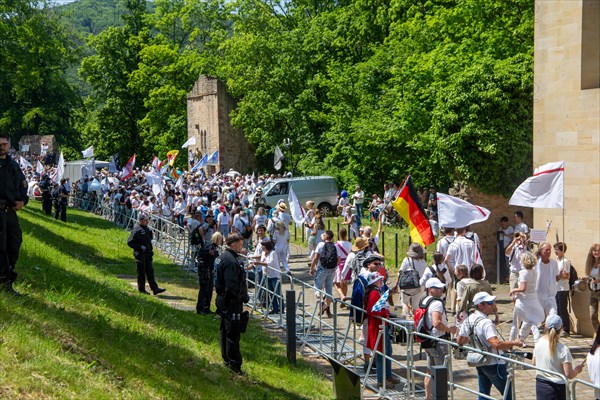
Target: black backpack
column 328, row 256
column 247, row 231
column 572, row 276
column 196, row 237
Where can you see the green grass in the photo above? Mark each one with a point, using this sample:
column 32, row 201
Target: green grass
column 81, row 332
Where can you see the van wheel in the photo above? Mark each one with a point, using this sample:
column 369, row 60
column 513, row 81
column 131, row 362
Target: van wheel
column 326, row 209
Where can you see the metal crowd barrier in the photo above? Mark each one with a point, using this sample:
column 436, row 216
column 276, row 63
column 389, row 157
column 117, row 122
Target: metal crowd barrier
column 337, row 337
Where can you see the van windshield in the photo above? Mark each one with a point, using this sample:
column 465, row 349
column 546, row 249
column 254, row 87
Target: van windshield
column 267, row 186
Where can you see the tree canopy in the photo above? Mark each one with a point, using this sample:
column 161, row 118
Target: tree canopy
column 365, row 90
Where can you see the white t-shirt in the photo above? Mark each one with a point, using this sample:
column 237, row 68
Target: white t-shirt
column 223, row 219
column 272, row 268
column 359, row 197
column 429, row 274
column 443, row 243
column 435, row 306
column 595, row 273
column 529, row 276
column 462, row 251
column 484, row 329
column 543, row 359
column 515, row 258
column 521, row 227
column 260, row 220
column 593, row 364
column 563, row 265
column 546, row 278
column 508, row 232
column 347, row 246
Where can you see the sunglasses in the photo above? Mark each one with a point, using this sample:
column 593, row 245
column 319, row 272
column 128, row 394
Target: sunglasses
column 377, row 263
column 489, row 303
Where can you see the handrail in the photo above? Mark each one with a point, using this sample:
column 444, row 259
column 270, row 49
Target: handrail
column 574, row 383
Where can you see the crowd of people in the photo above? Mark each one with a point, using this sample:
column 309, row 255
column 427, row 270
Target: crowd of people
column 233, row 232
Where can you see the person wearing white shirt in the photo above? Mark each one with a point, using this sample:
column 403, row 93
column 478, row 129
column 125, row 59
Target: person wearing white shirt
column 514, row 251
column 551, row 355
column 223, row 221
column 271, row 269
column 593, row 364
column 436, row 270
column 414, row 260
column 520, row 226
column 438, row 321
column 562, row 287
column 548, row 275
column 359, row 199
column 461, row 251
column 444, row 242
column 480, row 325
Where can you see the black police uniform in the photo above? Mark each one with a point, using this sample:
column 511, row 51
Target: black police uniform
column 46, row 186
column 13, row 188
column 205, row 262
column 140, row 240
column 63, row 199
column 232, row 293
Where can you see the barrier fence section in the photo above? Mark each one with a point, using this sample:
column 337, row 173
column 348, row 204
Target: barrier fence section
column 338, row 337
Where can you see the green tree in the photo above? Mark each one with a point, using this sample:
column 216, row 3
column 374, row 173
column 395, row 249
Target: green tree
column 35, row 51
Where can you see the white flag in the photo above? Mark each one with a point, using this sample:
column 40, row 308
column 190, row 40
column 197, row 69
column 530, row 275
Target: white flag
column 190, row 142
column 179, row 183
column 39, row 167
column 24, row 164
column 296, row 209
column 278, row 158
column 457, row 213
column 545, row 189
column 89, row 152
column 60, row 169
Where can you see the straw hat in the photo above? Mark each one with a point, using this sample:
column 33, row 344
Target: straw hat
column 360, row 244
column 282, row 207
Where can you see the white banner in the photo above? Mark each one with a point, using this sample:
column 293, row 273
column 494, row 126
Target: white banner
column 296, row 210
column 89, row 152
column 39, row 167
column 278, row 158
column 545, row 189
column 190, row 142
column 457, row 213
column 60, row 169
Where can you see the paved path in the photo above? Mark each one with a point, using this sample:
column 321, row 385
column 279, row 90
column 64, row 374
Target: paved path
column 463, row 375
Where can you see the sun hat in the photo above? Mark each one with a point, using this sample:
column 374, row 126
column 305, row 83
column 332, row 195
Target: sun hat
column 370, row 259
column 434, row 283
column 415, row 251
column 360, row 244
column 282, row 207
column 373, row 277
column 482, row 297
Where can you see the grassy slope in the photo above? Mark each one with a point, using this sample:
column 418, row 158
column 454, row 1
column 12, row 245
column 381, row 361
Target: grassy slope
column 81, row 332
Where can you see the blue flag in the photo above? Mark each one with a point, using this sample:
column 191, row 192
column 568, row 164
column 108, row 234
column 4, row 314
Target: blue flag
column 214, row 158
column 201, row 164
column 382, row 302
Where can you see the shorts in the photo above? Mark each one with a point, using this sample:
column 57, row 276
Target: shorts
column 436, row 355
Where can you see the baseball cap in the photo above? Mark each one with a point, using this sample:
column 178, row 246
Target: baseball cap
column 553, row 321
column 373, row 277
column 434, row 283
column 482, row 297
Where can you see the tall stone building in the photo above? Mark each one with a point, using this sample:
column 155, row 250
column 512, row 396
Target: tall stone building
column 208, row 111
column 567, row 125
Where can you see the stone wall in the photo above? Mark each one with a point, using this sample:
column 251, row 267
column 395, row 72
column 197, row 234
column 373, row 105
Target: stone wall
column 35, row 143
column 567, row 124
column 209, row 120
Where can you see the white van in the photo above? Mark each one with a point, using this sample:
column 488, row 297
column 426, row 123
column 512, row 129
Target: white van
column 320, row 189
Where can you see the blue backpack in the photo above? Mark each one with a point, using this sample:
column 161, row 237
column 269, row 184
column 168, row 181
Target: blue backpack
column 358, row 294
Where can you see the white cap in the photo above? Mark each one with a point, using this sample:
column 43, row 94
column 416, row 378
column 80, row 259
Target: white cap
column 482, row 297
column 373, row 277
column 434, row 283
column 553, row 321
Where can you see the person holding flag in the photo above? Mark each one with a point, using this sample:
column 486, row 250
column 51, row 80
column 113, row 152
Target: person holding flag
column 377, row 307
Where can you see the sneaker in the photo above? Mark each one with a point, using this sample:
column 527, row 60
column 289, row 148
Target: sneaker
column 393, row 380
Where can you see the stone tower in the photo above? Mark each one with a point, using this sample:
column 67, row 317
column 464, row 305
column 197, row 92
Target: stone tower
column 208, row 112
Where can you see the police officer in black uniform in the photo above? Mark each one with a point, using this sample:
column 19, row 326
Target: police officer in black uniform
column 46, row 186
column 205, row 261
column 13, row 196
column 63, row 199
column 232, row 293
column 140, row 240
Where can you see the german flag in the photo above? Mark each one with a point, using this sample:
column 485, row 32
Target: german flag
column 411, row 210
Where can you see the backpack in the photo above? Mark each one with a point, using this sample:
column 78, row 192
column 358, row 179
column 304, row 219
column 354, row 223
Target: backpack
column 420, row 325
column 328, row 256
column 247, row 232
column 409, row 279
column 440, row 276
column 196, row 237
column 357, row 262
column 477, row 359
column 572, row 276
column 358, row 294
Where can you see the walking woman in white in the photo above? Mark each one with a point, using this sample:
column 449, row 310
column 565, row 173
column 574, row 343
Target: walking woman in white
column 528, row 309
column 281, row 237
column 593, row 363
column 415, row 259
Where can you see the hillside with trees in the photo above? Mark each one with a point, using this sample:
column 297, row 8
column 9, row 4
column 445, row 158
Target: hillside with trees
column 365, row 90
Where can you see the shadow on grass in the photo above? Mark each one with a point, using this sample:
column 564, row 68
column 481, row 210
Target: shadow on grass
column 171, row 370
column 125, row 350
